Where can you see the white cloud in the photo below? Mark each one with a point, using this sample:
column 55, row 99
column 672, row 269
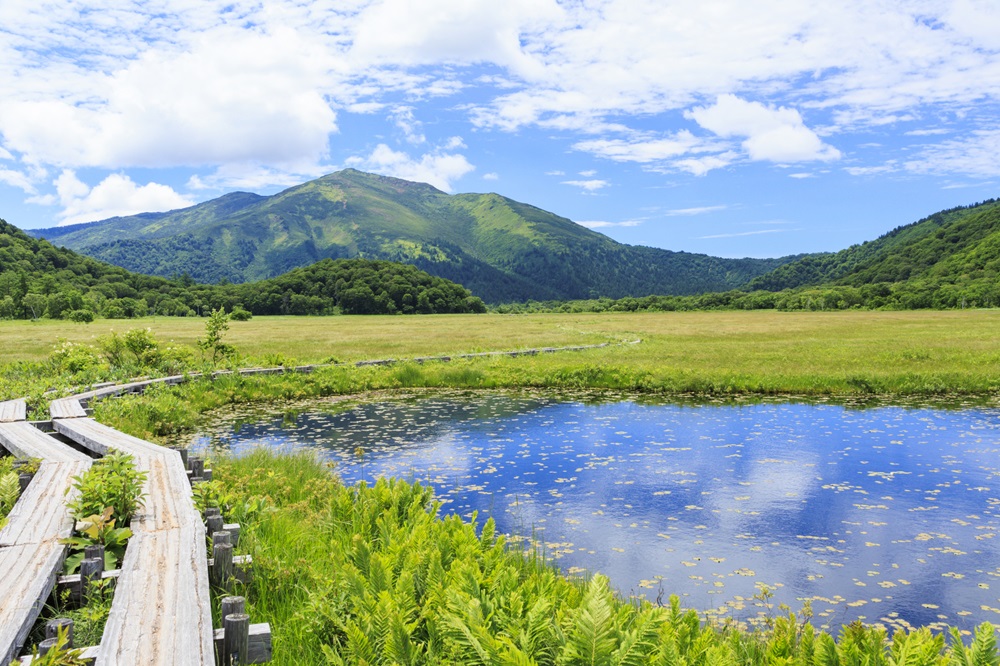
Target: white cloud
column 587, row 185
column 422, row 32
column 588, row 173
column 600, row 224
column 404, row 119
column 699, row 210
column 871, row 170
column 491, row 176
column 640, row 150
column 17, row 179
column 555, row 173
column 439, row 169
column 768, row 133
column 699, row 166
column 233, row 95
column 974, row 155
column 115, row 195
column 801, row 175
column 743, row 233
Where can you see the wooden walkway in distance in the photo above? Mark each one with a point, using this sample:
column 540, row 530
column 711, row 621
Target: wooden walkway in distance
column 30, row 553
column 161, row 611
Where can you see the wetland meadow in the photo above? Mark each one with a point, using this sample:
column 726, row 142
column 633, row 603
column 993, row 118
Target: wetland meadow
column 836, row 465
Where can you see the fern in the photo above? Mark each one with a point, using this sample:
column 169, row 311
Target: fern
column 591, row 636
column 10, row 489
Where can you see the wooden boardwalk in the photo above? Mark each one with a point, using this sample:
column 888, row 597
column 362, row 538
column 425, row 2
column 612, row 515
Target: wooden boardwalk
column 161, row 611
column 30, row 553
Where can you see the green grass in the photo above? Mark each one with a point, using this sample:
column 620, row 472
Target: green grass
column 771, row 351
column 371, row 575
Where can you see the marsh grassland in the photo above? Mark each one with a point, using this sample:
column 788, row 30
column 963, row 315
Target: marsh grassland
column 369, row 575
column 914, row 352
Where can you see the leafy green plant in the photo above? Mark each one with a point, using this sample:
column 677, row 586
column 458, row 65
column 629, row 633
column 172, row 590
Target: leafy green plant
column 71, row 357
column 59, row 655
column 209, row 494
column 215, row 327
column 10, row 489
column 97, row 530
column 111, row 482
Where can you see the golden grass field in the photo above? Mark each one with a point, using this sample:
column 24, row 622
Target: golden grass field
column 919, row 351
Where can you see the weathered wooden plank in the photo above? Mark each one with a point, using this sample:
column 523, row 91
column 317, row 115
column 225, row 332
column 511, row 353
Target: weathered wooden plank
column 40, row 514
column 102, row 439
column 161, row 609
column 29, row 572
column 13, row 410
column 26, row 441
column 161, row 612
column 66, row 408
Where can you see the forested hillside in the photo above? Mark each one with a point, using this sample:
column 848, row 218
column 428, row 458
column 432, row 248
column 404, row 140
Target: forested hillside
column 943, row 247
column 39, row 280
column 500, row 249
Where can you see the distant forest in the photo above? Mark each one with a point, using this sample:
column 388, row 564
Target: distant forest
column 39, row 280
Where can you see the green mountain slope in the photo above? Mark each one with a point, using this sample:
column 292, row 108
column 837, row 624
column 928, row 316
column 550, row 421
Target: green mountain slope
column 40, row 280
column 950, row 246
column 500, row 249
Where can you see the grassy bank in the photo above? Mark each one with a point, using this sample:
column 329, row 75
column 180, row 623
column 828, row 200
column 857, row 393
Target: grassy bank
column 371, row 575
column 828, row 353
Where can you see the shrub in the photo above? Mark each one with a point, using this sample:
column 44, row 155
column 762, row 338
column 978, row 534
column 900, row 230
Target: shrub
column 111, row 482
column 239, row 314
column 72, row 357
column 81, row 316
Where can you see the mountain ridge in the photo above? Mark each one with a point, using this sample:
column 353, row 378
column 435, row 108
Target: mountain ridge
column 499, row 248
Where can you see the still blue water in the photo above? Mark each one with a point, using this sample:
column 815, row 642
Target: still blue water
column 887, row 514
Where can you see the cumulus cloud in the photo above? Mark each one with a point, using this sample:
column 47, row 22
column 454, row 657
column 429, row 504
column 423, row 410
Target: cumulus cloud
column 234, row 95
column 440, row 169
column 115, row 195
column 776, row 134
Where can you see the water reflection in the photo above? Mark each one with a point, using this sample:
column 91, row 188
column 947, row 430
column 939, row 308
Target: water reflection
column 885, row 514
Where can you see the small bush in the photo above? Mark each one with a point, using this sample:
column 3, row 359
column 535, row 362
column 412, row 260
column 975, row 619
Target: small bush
column 72, row 357
column 81, row 316
column 112, row 482
column 240, row 314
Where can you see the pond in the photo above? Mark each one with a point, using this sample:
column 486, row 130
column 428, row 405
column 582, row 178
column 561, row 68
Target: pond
column 886, row 514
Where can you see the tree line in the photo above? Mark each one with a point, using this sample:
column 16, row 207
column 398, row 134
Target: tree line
column 39, row 280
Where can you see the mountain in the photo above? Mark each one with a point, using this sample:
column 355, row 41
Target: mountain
column 37, row 279
column 500, row 249
column 950, row 247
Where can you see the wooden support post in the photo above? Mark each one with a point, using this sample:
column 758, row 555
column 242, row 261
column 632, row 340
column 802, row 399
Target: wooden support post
column 90, row 571
column 213, row 511
column 206, row 475
column 222, row 536
column 236, row 642
column 96, row 550
column 184, row 454
column 45, row 646
column 197, row 468
column 222, row 566
column 232, row 605
column 23, row 480
column 213, row 524
column 52, row 629
column 234, row 533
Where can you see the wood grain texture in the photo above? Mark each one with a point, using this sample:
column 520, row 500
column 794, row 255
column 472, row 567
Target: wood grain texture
column 13, row 410
column 161, row 612
column 30, row 553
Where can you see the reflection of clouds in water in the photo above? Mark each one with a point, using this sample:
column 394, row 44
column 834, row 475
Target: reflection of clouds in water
column 868, row 512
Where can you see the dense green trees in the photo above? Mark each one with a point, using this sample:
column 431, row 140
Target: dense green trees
column 38, row 280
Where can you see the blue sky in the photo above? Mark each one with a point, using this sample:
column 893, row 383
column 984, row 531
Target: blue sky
column 727, row 127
